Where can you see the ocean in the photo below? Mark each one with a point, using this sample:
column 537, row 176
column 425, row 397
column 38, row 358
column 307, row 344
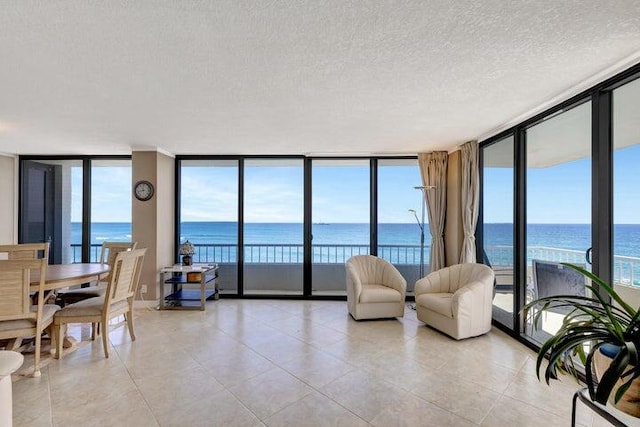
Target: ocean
column 398, row 243
column 564, row 236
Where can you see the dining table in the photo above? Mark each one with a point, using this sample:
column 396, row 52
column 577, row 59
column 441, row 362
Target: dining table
column 59, row 276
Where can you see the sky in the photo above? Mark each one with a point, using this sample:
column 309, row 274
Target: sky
column 110, row 192
column 274, row 192
column 562, row 194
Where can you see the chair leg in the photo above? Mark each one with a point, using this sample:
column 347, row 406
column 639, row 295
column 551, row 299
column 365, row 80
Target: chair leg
column 105, row 337
column 94, row 330
column 36, row 356
column 58, row 331
column 52, row 337
column 14, row 344
column 128, row 317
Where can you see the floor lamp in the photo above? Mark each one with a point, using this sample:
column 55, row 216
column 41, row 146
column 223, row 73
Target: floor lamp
column 422, row 188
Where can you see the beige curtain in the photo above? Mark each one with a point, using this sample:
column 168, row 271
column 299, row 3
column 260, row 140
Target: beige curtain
column 433, row 168
column 469, row 200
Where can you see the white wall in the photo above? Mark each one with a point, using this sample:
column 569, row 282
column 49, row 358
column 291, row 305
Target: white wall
column 630, row 294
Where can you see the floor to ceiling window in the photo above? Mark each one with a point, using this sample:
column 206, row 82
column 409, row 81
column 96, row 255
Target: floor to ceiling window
column 110, row 203
column 626, row 191
column 247, row 215
column 209, row 215
column 273, row 226
column 573, row 185
column 402, row 219
column 341, row 212
column 497, row 228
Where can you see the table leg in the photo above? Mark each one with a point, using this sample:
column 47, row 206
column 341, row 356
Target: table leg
column 203, row 292
column 68, row 342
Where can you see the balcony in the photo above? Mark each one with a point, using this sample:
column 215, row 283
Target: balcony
column 626, row 270
column 271, row 265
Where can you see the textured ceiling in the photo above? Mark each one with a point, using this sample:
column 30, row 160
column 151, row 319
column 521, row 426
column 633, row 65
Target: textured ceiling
column 294, row 76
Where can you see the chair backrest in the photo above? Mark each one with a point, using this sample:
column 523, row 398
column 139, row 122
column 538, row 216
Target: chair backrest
column 369, row 268
column 22, row 251
column 16, row 278
column 450, row 279
column 125, row 276
column 552, row 278
column 136, row 278
column 110, row 251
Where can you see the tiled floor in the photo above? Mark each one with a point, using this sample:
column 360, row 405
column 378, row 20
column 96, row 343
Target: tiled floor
column 292, row 363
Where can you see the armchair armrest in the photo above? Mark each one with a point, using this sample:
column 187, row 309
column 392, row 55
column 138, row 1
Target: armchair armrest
column 464, row 298
column 354, row 285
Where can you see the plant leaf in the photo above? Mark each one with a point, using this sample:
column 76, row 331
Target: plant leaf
column 611, row 376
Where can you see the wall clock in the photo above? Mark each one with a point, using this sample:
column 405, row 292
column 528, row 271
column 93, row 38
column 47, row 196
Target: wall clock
column 143, row 190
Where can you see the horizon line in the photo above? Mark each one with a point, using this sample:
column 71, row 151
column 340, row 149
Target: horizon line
column 337, row 222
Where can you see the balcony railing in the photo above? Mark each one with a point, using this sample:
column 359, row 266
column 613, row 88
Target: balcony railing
column 287, row 253
column 76, row 253
column 626, row 269
column 294, row 253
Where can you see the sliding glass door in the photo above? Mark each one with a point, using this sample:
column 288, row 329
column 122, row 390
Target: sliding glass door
column 110, row 203
column 626, row 191
column 75, row 203
column 340, row 220
column 273, row 226
column 497, row 228
column 209, row 215
column 558, row 177
column 51, row 210
column 402, row 219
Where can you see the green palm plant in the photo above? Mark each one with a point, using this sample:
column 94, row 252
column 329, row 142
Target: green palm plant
column 591, row 323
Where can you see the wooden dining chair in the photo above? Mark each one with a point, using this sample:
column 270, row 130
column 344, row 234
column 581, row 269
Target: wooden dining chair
column 19, row 318
column 22, row 251
column 117, row 300
column 108, row 254
column 110, row 251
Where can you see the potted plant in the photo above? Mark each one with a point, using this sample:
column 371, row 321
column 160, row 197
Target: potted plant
column 593, row 322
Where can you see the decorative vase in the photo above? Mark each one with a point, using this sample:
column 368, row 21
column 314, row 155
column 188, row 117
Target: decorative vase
column 187, row 260
column 630, row 401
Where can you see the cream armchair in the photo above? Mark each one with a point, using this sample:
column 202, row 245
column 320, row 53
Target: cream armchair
column 457, row 300
column 375, row 288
